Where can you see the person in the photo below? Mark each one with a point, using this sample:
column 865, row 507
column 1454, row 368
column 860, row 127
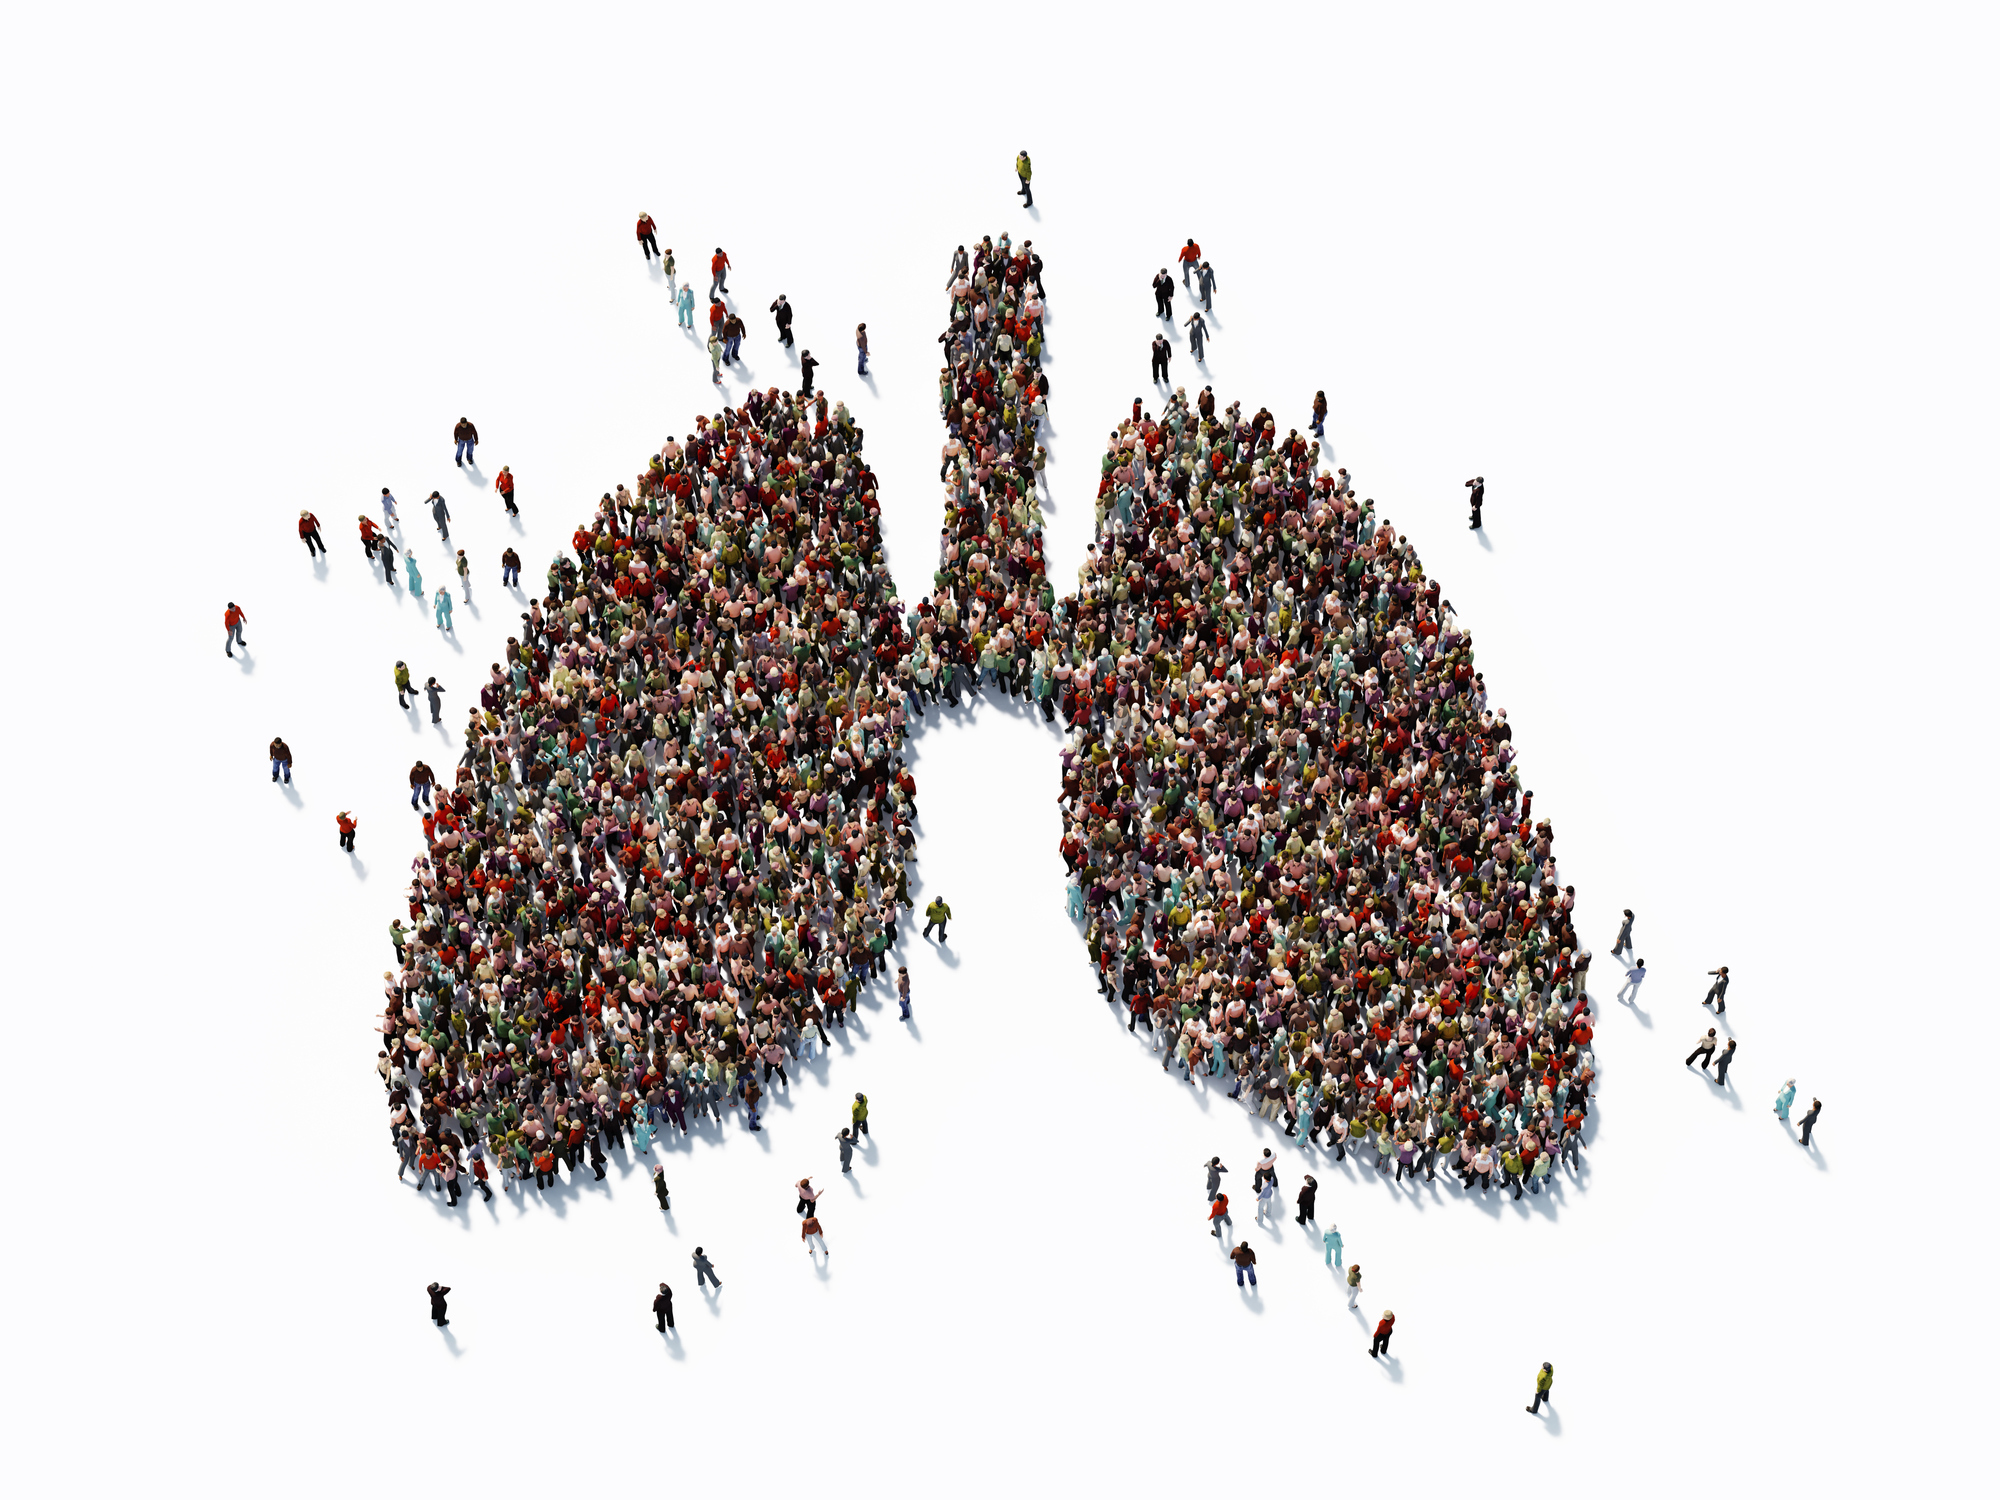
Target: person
column 715, row 358
column 441, row 515
column 510, row 569
column 1162, row 352
column 1783, row 1108
column 861, row 348
column 309, row 534
column 1163, row 294
column 1722, row 1061
column 811, row 1234
column 1353, row 1285
column 1218, row 1214
column 660, row 1190
column 1204, row 282
column 403, row 685
column 732, row 339
column 1545, row 1378
column 1319, row 417
column 845, row 1140
column 345, row 822
column 421, row 779
column 704, row 1270
column 1308, row 1192
column 281, row 760
column 466, row 437
column 1024, row 169
column 1215, row 1171
column 648, row 246
column 663, row 1308
column 937, row 915
column 1190, row 257
column 441, row 602
column 1267, row 1199
column 858, row 1111
column 415, row 578
column 1246, row 1263
column 781, row 312
column 1382, row 1331
column 807, row 364
column 718, row 269
column 1719, row 990
column 667, row 265
column 382, row 548
column 903, row 989
column 504, row 483
column 438, row 1294
column 1478, row 487
column 390, row 518
column 1197, row 334
column 434, row 690
column 1634, row 977
column 1624, row 943
column 808, row 1196
column 232, row 630
column 684, row 307
column 1330, row 1240
column 1703, row 1049
column 464, row 575
column 1806, row 1123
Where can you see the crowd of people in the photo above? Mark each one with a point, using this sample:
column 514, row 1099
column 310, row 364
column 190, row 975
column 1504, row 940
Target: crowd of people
column 673, row 851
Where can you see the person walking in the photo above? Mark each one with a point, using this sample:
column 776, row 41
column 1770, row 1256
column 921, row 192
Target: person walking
column 1634, row 977
column 1477, row 485
column 781, row 312
column 1190, row 257
column 648, row 246
column 660, row 1190
column 441, row 515
column 1215, row 1171
column 807, row 364
column 1267, row 1199
column 858, row 1113
column 1246, row 1263
column 510, row 569
column 403, row 685
column 813, row 1236
column 1197, row 329
column 1624, row 943
column 1722, row 1061
column 504, row 483
column 390, row 518
column 1204, row 283
column 309, row 534
column 861, row 348
column 416, row 578
column 715, row 358
column 1330, row 1241
column 903, row 989
column 704, row 1270
column 464, row 575
column 1319, row 417
column 441, row 602
column 937, row 914
column 385, row 552
column 232, row 630
column 718, row 272
column 1353, row 1285
column 281, row 760
column 466, row 437
column 1783, row 1108
column 433, row 689
column 1544, row 1378
column 1025, row 170
column 667, row 265
column 684, row 307
column 1308, row 1195
column 1718, row 991
column 663, row 1308
column 421, row 779
column 732, row 339
column 1218, row 1215
column 1382, row 1331
column 845, row 1140
column 1163, row 294
column 1162, row 352
column 438, row 1294
column 808, row 1196
column 1703, row 1049
column 345, row 822
column 1806, row 1123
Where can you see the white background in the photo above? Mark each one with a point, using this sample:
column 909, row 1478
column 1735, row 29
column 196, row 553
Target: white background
column 1704, row 292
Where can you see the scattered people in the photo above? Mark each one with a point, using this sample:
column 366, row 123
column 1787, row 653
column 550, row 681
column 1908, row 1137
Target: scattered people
column 1330, row 1241
column 1624, row 943
column 1722, row 1061
column 1704, row 1049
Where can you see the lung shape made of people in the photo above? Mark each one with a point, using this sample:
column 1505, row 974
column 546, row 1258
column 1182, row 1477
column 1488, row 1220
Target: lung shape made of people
column 674, row 852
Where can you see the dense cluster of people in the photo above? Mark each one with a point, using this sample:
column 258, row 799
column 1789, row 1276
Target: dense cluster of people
column 673, row 851
column 1296, row 833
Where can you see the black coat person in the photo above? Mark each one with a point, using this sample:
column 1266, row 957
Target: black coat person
column 438, row 1294
column 663, row 1308
column 1478, row 497
column 783, row 311
column 807, row 364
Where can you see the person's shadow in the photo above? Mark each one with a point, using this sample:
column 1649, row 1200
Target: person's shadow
column 1551, row 1423
column 671, row 1338
column 451, row 1342
column 246, row 664
column 355, row 863
column 1484, row 540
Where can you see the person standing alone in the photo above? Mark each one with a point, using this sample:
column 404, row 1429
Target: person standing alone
column 438, row 1294
column 466, row 436
column 663, row 1308
column 1544, row 1378
column 1478, row 497
column 1024, row 169
column 232, row 630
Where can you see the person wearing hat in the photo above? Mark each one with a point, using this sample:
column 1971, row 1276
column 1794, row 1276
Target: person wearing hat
column 1382, row 1331
column 1024, row 169
column 1544, row 1378
column 663, row 1308
column 466, row 437
column 309, row 534
column 1477, row 485
column 438, row 1294
column 648, row 246
column 781, row 311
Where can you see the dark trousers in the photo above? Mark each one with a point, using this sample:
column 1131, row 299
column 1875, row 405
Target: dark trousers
column 1540, row 1397
column 649, row 245
column 1705, row 1057
column 701, row 1275
column 484, row 1191
column 1027, row 193
column 314, row 540
column 1381, row 1344
column 347, row 840
column 664, row 1320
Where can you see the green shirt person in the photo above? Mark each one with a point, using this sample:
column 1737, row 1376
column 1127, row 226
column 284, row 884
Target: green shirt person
column 1543, row 1380
column 1025, row 169
column 937, row 914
